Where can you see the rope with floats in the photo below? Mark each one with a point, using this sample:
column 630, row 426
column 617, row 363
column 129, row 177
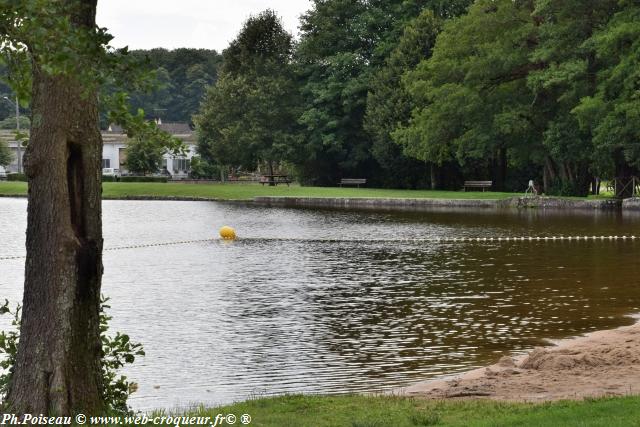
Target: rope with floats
column 415, row 240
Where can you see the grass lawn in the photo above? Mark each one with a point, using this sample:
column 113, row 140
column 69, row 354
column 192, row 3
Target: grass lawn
column 362, row 411
column 249, row 191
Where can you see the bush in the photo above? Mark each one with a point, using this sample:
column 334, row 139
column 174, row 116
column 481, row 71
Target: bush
column 109, row 178
column 143, row 179
column 116, row 352
column 565, row 188
column 16, row 177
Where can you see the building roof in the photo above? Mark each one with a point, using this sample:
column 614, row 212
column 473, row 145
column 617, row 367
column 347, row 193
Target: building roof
column 115, row 135
column 182, row 131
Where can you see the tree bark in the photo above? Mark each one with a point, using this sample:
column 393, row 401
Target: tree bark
column 58, row 362
column 500, row 169
column 434, row 176
column 549, row 174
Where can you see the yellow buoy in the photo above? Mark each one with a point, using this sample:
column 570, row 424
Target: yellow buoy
column 228, row 233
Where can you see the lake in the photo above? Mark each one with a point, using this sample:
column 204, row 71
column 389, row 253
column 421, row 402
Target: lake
column 327, row 301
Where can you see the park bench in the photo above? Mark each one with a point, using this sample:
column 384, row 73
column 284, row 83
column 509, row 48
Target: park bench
column 353, row 181
column 477, row 184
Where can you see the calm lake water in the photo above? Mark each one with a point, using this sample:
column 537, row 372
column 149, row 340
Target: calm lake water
column 282, row 311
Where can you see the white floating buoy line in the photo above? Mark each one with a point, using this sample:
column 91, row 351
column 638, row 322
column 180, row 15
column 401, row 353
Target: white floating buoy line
column 228, row 233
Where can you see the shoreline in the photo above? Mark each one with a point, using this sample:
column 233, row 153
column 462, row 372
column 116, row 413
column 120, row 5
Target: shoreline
column 603, row 363
column 406, row 204
column 424, row 204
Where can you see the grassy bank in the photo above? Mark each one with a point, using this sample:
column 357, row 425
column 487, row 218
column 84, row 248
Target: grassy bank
column 249, row 191
column 362, row 411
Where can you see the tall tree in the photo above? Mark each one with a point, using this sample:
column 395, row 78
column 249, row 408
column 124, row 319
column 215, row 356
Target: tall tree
column 389, row 104
column 472, row 103
column 343, row 45
column 249, row 115
column 334, row 56
column 57, row 46
column 147, row 143
column 612, row 114
column 569, row 74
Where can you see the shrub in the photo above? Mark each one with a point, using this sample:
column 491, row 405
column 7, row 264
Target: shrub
column 565, row 188
column 109, row 178
column 143, row 179
column 16, row 177
column 116, row 352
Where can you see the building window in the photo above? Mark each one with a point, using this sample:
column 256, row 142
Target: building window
column 181, row 165
column 106, row 163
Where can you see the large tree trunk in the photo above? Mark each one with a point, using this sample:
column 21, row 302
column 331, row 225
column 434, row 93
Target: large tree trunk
column 58, row 363
column 433, row 172
column 499, row 171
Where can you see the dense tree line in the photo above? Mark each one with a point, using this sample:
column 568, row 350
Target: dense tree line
column 182, row 76
column 430, row 93
column 180, row 79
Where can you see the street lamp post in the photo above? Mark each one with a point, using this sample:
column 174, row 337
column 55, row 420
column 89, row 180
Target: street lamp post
column 17, row 105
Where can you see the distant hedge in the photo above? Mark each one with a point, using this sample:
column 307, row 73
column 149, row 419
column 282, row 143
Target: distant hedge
column 109, row 178
column 16, row 177
column 143, row 179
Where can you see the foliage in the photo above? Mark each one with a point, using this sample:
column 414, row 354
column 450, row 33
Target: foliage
column 117, row 351
column 144, row 155
column 16, row 177
column 334, row 56
column 510, row 91
column 6, row 156
column 41, row 32
column 202, row 169
column 147, row 143
column 471, row 105
column 8, row 348
column 10, row 123
column 612, row 113
column 182, row 76
column 389, row 104
column 511, row 85
column 249, row 115
column 343, row 48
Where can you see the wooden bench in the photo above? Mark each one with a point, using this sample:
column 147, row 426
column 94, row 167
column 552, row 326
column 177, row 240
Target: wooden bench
column 353, row 181
column 477, row 184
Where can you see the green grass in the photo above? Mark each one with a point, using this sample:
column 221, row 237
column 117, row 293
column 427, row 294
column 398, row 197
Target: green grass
column 13, row 188
column 363, row 411
column 115, row 190
column 249, row 191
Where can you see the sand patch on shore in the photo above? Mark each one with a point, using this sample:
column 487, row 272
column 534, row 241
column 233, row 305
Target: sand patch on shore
column 604, row 363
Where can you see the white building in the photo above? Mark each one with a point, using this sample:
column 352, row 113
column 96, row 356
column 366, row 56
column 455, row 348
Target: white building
column 8, row 136
column 115, row 144
column 114, row 150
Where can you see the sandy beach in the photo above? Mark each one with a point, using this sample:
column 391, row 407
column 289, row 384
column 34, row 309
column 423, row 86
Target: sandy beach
column 603, row 363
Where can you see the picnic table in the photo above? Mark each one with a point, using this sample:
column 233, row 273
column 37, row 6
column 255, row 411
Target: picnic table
column 275, row 179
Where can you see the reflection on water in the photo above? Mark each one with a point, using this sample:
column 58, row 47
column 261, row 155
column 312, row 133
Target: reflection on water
column 223, row 321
